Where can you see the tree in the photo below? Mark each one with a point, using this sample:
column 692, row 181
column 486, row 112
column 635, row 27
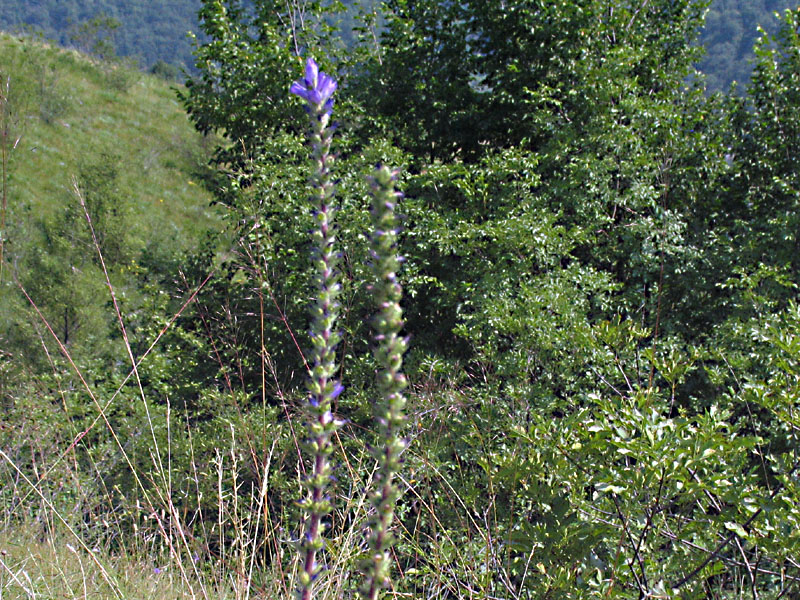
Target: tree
column 768, row 129
column 566, row 194
column 96, row 36
column 251, row 53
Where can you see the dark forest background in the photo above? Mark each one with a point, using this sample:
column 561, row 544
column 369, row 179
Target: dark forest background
column 157, row 30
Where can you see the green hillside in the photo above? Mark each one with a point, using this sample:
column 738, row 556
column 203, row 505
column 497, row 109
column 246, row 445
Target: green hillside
column 66, row 109
column 124, row 139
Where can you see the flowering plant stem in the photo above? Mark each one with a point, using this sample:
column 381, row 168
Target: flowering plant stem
column 389, row 349
column 317, row 88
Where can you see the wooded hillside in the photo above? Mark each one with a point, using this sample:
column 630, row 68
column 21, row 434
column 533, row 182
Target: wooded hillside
column 157, row 31
column 728, row 35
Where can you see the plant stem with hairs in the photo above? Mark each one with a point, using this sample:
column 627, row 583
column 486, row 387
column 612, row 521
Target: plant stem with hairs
column 389, row 349
column 317, row 88
column 4, row 135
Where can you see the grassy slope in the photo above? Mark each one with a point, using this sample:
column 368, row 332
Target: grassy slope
column 67, row 109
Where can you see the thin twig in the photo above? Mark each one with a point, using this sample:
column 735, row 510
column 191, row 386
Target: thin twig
column 728, row 539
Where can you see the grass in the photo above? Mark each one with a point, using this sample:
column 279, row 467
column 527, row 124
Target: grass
column 67, row 109
column 51, row 566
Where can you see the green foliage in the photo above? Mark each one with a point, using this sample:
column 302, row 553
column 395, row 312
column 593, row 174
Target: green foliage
column 165, row 70
column 769, row 179
column 601, row 275
column 252, row 53
column 242, row 90
column 96, row 36
column 564, row 259
column 492, row 75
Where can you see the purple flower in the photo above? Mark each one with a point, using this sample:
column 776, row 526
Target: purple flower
column 316, row 87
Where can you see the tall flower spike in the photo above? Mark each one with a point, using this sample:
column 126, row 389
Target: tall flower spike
column 316, row 89
column 389, row 350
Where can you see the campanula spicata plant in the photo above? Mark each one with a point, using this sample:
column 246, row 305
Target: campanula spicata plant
column 389, row 349
column 317, row 89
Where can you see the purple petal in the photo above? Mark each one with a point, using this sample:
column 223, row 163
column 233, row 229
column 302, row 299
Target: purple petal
column 326, row 86
column 316, row 88
column 313, row 96
column 337, row 390
column 299, row 89
column 312, row 72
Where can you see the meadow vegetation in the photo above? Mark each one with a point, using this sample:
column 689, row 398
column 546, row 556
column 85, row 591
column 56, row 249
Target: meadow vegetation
column 599, row 265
